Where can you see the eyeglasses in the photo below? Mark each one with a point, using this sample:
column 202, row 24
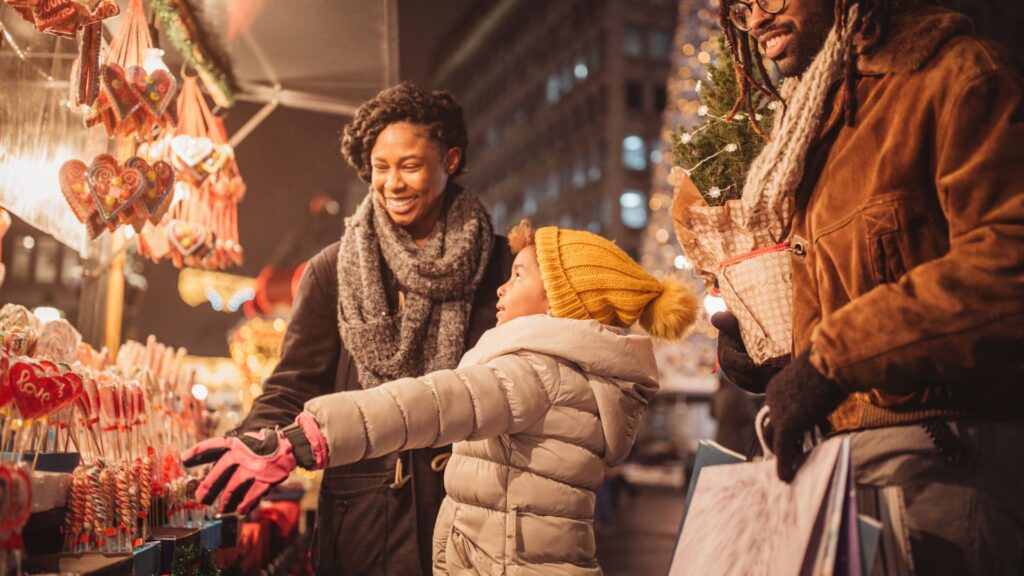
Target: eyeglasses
column 740, row 11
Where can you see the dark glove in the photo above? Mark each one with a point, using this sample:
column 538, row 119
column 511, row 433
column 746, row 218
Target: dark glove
column 798, row 398
column 247, row 467
column 737, row 366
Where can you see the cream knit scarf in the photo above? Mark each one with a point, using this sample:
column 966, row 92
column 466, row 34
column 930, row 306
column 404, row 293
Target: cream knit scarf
column 439, row 281
column 776, row 172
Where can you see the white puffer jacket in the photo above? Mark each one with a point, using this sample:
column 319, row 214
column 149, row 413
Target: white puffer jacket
column 535, row 411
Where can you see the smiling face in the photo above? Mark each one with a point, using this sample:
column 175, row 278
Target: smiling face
column 409, row 174
column 794, row 36
column 523, row 294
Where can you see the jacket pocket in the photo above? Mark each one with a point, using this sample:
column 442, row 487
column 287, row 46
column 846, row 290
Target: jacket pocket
column 881, row 225
column 887, row 263
column 463, row 556
column 351, row 532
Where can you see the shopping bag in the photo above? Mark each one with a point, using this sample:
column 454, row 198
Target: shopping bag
column 709, row 453
column 743, row 520
column 739, row 518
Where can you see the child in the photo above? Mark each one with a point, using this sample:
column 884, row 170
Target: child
column 546, row 398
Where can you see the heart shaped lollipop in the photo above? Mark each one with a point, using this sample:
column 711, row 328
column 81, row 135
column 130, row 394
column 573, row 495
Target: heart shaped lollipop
column 6, row 395
column 40, row 395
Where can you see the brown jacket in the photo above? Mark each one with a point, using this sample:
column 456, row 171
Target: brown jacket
column 364, row 526
column 908, row 267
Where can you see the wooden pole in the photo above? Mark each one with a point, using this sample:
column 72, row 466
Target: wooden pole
column 115, row 294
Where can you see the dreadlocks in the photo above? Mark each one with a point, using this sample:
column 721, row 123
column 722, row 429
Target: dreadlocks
column 868, row 27
column 745, row 58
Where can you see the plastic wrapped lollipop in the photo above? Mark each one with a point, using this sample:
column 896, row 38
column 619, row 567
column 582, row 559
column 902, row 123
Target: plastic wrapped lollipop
column 99, row 504
column 17, row 509
column 108, row 481
column 126, row 520
column 179, row 501
column 145, row 492
column 193, row 508
column 91, row 408
column 110, row 411
column 138, row 404
column 119, row 392
column 92, row 399
column 89, row 524
column 128, row 415
column 133, row 501
column 75, row 513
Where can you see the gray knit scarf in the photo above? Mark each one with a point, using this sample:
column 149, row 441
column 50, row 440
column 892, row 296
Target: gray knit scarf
column 439, row 281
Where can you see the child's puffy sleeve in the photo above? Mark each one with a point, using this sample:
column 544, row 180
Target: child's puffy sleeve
column 505, row 395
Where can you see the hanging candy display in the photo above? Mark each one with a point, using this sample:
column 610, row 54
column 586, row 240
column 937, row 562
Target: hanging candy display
column 132, row 100
column 201, row 230
column 108, row 193
column 63, row 18
column 128, row 419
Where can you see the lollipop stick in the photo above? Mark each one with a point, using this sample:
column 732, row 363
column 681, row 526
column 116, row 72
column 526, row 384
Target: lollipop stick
column 43, row 424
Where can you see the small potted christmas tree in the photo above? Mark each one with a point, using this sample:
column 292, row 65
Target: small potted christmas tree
column 744, row 257
column 717, row 154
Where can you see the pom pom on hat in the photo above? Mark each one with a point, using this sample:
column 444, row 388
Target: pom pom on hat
column 672, row 312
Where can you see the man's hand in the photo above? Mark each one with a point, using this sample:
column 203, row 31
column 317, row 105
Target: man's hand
column 737, row 366
column 798, row 398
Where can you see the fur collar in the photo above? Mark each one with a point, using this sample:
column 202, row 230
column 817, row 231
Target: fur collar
column 915, row 35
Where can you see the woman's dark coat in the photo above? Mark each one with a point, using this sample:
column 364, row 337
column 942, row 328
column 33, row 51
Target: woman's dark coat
column 364, row 525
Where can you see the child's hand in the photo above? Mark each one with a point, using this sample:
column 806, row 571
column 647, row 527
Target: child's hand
column 247, row 467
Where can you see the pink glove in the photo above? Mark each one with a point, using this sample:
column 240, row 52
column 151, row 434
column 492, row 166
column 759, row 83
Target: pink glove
column 247, row 467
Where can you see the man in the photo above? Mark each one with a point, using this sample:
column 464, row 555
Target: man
column 904, row 143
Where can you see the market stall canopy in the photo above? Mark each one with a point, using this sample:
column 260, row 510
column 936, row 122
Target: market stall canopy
column 325, row 56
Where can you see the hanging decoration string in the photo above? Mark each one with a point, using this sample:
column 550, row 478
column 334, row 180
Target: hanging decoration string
column 181, row 28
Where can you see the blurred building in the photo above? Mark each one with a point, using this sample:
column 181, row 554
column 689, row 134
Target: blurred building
column 40, row 270
column 564, row 105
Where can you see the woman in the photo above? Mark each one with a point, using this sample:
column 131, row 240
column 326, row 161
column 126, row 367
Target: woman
column 411, row 285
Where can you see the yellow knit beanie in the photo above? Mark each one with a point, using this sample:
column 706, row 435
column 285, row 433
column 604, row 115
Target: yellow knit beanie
column 589, row 277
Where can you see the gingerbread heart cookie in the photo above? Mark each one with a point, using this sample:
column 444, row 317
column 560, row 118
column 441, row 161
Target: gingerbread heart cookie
column 154, row 90
column 186, row 237
column 118, row 92
column 74, row 183
column 159, row 179
column 114, row 187
column 188, row 153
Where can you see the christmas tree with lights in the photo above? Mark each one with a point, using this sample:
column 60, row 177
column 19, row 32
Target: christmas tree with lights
column 718, row 153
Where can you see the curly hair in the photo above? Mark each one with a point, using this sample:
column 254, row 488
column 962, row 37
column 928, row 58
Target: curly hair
column 521, row 235
column 437, row 111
